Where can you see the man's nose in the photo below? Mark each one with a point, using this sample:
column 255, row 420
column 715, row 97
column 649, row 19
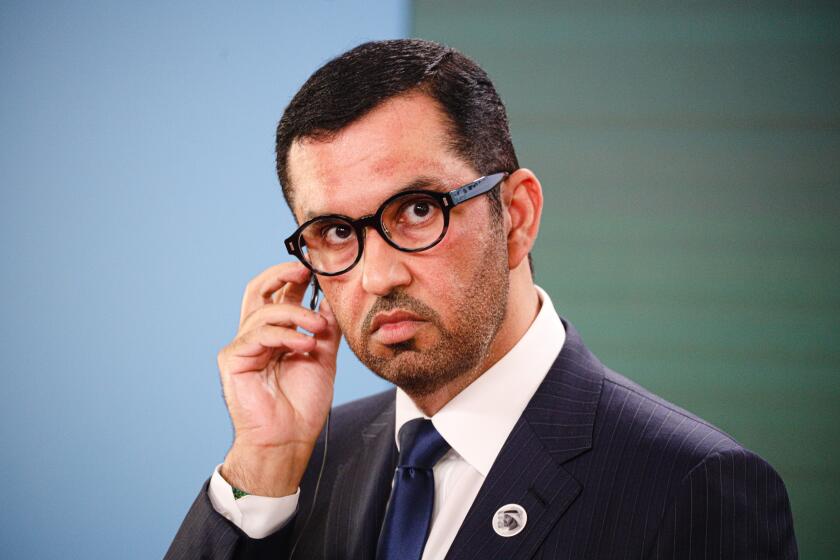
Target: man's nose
column 383, row 268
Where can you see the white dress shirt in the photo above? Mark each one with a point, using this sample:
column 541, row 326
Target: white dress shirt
column 476, row 424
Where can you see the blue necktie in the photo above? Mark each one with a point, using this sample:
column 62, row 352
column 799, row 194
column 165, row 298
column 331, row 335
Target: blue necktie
column 409, row 513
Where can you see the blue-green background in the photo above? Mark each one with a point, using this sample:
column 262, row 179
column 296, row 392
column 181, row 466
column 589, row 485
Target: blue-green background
column 690, row 157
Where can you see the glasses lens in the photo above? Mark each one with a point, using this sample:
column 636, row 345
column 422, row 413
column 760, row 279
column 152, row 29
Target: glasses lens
column 329, row 244
column 413, row 221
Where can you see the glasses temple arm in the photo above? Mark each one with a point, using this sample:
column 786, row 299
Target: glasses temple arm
column 477, row 187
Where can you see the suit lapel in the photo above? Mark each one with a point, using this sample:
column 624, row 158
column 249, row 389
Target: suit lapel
column 361, row 490
column 556, row 426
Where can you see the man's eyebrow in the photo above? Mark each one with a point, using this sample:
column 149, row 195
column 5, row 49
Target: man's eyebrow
column 423, row 182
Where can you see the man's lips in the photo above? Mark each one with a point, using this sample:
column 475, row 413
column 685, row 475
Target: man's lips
column 395, row 326
column 396, row 316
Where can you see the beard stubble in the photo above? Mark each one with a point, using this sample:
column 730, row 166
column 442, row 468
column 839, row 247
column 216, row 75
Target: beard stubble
column 460, row 348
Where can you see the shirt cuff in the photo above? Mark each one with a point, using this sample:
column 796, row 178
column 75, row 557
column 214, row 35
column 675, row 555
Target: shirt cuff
column 257, row 516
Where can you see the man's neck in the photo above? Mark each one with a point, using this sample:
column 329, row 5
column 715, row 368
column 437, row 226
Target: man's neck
column 522, row 309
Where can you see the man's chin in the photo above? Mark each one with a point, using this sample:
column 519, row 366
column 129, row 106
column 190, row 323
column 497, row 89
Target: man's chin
column 405, row 354
column 401, row 360
column 418, row 371
column 419, row 365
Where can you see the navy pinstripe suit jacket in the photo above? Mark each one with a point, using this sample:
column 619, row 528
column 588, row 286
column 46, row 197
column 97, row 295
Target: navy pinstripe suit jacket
column 604, row 469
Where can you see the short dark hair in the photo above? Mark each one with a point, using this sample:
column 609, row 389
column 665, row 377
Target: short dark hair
column 349, row 86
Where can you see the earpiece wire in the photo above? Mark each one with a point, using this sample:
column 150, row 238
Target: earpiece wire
column 313, row 304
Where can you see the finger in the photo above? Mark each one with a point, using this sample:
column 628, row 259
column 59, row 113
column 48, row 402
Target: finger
column 284, row 315
column 327, row 340
column 262, row 287
column 292, row 292
column 255, row 342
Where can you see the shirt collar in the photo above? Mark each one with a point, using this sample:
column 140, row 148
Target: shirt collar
column 478, row 421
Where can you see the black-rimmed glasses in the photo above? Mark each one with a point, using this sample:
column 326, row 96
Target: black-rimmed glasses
column 410, row 221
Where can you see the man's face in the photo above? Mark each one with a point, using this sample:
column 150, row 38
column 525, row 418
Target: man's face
column 419, row 320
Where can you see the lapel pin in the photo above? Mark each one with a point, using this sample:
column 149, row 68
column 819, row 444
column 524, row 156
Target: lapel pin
column 509, row 520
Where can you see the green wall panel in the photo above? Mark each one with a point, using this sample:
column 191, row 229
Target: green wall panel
column 690, row 159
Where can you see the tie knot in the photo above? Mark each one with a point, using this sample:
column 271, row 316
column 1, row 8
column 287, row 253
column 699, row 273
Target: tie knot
column 421, row 446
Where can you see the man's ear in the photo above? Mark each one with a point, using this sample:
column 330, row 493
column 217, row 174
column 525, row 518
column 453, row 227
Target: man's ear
column 522, row 203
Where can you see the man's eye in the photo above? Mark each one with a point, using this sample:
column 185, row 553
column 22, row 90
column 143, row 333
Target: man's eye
column 421, row 209
column 417, row 212
column 337, row 233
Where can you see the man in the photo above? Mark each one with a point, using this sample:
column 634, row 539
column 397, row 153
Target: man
column 418, row 222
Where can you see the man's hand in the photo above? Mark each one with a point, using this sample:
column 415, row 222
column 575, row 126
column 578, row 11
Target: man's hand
column 278, row 382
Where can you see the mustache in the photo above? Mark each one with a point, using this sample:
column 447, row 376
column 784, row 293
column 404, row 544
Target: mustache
column 399, row 300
